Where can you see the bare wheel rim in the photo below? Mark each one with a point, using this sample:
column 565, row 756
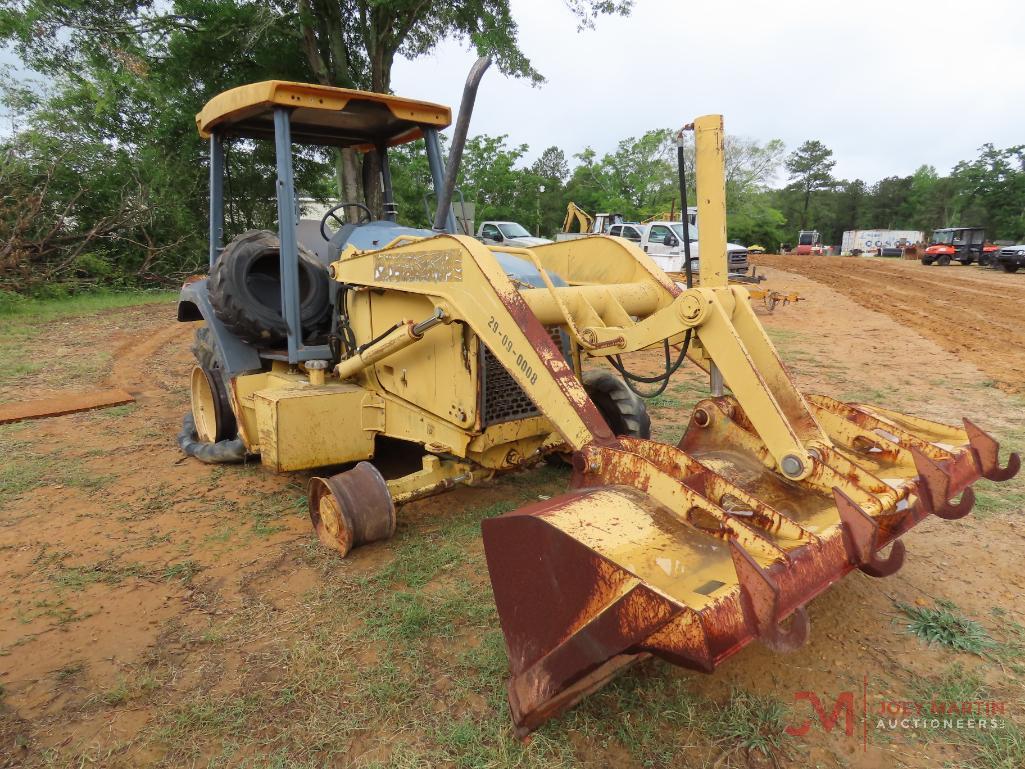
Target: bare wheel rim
column 204, row 405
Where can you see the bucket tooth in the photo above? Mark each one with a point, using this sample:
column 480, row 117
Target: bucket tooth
column 861, row 538
column 934, row 490
column 987, row 454
column 761, row 601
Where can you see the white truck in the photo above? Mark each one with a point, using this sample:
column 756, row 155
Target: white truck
column 663, row 242
column 507, row 234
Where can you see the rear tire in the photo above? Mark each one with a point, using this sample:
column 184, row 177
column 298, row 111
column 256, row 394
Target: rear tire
column 943, row 261
column 245, row 289
column 622, row 409
column 211, row 407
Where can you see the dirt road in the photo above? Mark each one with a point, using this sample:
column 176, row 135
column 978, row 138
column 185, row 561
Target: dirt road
column 973, row 313
column 155, row 611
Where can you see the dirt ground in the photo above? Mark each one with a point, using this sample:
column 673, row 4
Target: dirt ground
column 155, row 611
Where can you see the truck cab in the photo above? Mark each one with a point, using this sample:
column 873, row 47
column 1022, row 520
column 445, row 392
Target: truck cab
column 507, row 234
column 663, row 242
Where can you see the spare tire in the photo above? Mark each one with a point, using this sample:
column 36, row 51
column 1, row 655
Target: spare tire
column 245, row 289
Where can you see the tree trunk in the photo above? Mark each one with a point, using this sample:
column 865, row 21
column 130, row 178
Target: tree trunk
column 352, row 177
column 372, row 187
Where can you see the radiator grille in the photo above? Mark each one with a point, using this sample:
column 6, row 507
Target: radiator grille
column 504, row 399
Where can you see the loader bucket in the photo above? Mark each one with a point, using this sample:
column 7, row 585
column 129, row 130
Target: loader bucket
column 597, row 578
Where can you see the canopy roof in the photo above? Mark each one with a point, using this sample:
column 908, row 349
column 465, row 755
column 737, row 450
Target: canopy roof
column 323, row 115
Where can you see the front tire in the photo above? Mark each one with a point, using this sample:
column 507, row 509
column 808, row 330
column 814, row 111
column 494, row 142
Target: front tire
column 621, row 408
column 1009, row 267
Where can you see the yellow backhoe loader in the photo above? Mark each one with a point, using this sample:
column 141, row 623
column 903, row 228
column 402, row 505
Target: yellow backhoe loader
column 311, row 353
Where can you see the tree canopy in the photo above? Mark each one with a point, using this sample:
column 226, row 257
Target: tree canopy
column 103, row 177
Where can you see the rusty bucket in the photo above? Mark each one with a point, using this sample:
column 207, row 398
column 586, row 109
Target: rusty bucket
column 691, row 552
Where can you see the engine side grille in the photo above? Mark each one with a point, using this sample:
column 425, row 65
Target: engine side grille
column 504, row 399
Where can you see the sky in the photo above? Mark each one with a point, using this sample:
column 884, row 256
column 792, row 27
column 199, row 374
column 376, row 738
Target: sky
column 887, row 85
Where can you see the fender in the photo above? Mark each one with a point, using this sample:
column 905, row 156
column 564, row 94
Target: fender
column 236, row 356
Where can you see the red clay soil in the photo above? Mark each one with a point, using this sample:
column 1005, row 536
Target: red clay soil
column 973, row 312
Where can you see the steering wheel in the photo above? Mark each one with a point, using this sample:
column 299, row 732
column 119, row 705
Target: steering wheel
column 331, row 213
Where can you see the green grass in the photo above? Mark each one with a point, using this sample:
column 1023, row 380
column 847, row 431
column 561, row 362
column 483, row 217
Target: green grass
column 945, row 626
column 750, row 724
column 181, row 572
column 664, row 401
column 18, row 308
column 1001, row 748
column 990, row 501
column 68, row 672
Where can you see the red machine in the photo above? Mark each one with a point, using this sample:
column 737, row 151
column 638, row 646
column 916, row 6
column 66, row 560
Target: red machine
column 808, row 242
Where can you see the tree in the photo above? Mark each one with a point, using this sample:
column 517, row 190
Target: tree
column 991, row 191
column 810, row 168
column 551, row 165
column 347, row 43
column 750, row 166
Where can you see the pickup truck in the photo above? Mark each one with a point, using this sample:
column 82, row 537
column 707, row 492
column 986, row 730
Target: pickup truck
column 662, row 241
column 1011, row 258
column 507, row 234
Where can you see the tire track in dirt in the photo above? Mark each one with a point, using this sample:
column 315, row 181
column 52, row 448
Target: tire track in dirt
column 129, row 370
column 977, row 316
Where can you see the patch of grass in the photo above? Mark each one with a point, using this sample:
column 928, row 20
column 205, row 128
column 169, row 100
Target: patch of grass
column 107, row 572
column 955, row 684
column 664, row 401
column 876, row 395
column 182, row 572
column 68, row 672
column 750, row 724
column 999, row 500
column 782, row 335
column 408, row 616
column 28, row 309
column 267, row 512
column 466, row 525
column 118, row 695
column 420, row 559
column 1000, row 748
column 115, row 412
column 945, row 626
column 206, row 717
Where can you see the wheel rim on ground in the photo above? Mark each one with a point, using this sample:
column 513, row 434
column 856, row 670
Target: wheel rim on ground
column 352, row 508
column 206, row 409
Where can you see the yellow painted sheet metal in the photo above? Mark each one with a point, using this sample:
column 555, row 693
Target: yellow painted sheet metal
column 627, row 527
column 303, row 428
column 321, row 114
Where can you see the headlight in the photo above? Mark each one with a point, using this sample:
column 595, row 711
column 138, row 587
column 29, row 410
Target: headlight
column 1021, row 253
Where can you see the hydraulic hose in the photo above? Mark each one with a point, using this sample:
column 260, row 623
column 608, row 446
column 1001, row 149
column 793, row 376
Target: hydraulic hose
column 684, row 214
